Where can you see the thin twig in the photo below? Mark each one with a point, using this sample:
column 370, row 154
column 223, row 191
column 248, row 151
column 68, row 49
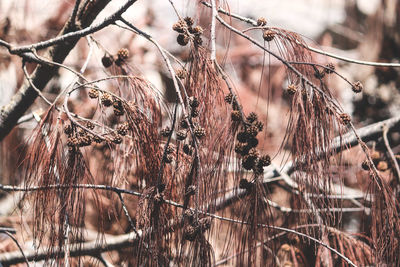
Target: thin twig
column 390, row 151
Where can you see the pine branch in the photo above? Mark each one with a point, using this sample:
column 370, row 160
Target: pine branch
column 59, row 49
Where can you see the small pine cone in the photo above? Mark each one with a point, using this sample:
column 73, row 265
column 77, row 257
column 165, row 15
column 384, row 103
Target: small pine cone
column 190, row 233
column 205, row 224
column 81, row 132
column 345, row 118
column 319, row 74
column 191, row 190
column 252, row 142
column 181, row 74
column 235, row 105
column 161, row 187
column 188, row 213
column 248, row 162
column 179, row 26
column 228, row 98
column 168, row 158
column 123, row 54
column 89, row 125
column 235, row 115
column 106, row 100
column 240, row 147
column 264, row 161
column 123, row 129
column 68, row 129
column 261, row 21
column 72, row 141
column 169, row 150
column 194, row 102
column 194, row 113
column 93, row 93
column 329, row 68
column 166, row 131
column 198, row 40
column 253, row 153
column 116, row 139
column 252, row 117
column 382, row 166
column 259, row 125
column 198, row 30
column 118, row 112
column 85, row 140
column 189, row 21
column 158, row 198
column 199, row 132
column 184, row 124
column 242, row 136
column 97, row 139
column 107, row 61
column 182, row 39
column 252, row 131
column 187, row 149
column 244, row 184
column 291, row 89
column 357, row 87
column 269, row 35
column 258, row 169
column 365, row 165
column 181, row 135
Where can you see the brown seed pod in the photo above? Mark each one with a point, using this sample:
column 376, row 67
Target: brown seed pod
column 235, row 115
column 252, row 142
column 191, row 190
column 93, row 93
column 189, row 21
column 190, row 233
column 118, row 112
column 329, row 68
column 345, row 118
column 194, row 113
column 261, row 21
column 194, row 102
column 106, row 99
column 291, row 89
column 199, row 132
column 123, row 129
column 248, row 162
column 72, row 141
column 181, row 135
column 239, row 147
column 357, row 87
column 265, row 160
column 252, row 131
column 365, row 165
column 182, row 39
column 382, row 166
column 244, row 184
column 89, row 125
column 184, row 124
column 228, row 98
column 116, row 139
column 179, row 26
column 68, row 129
column 319, row 74
column 107, row 61
column 269, row 35
column 259, row 125
column 375, row 156
column 187, row 149
column 85, row 140
column 258, row 169
column 242, row 136
column 166, row 131
column 252, row 117
column 169, row 150
column 198, row 30
column 123, row 54
column 168, row 158
column 253, row 153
